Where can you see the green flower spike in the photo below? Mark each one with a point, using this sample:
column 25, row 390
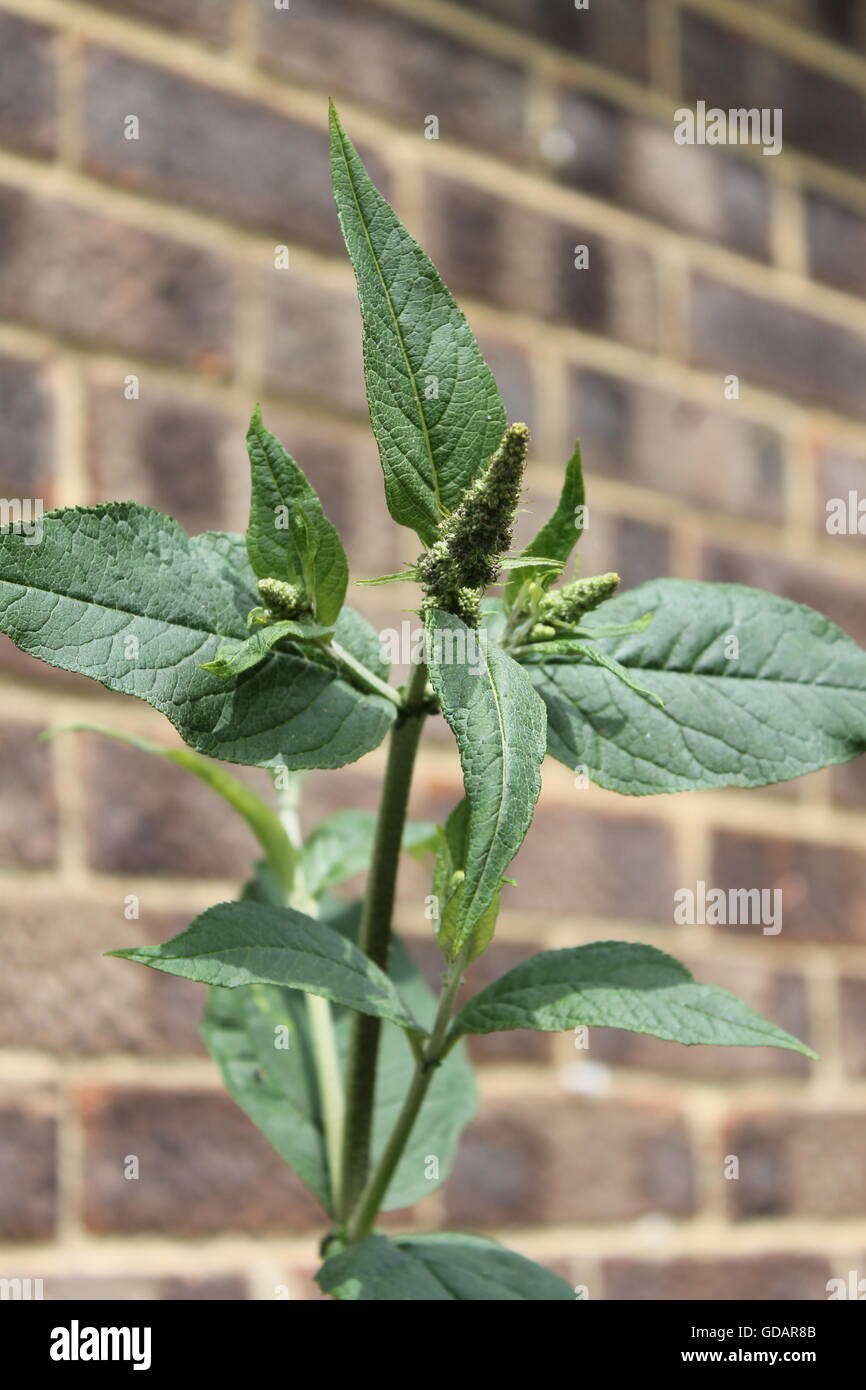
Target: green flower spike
column 284, row 600
column 466, row 557
column 567, row 606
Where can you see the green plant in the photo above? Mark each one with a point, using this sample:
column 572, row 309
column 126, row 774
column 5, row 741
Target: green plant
column 326, row 1035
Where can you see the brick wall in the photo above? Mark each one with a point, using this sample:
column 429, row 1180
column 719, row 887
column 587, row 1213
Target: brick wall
column 155, row 257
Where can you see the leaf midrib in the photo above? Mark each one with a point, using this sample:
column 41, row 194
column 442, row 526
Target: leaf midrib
column 698, row 675
column 499, row 811
column 396, row 323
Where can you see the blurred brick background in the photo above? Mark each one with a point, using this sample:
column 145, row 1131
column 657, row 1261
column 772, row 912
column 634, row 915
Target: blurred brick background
column 155, row 258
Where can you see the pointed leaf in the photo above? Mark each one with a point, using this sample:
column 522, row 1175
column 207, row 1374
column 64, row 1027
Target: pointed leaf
column 230, row 661
column 618, row 984
column 251, row 943
column 289, row 537
column 120, row 593
column 438, row 1268
column 756, row 689
column 270, row 1074
column 276, row 1086
column 558, row 536
column 435, row 410
column 499, row 724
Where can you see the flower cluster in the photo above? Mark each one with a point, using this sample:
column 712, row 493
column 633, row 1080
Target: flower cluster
column 564, row 608
column 465, row 559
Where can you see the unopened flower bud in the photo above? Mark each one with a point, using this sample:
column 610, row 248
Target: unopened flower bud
column 284, row 600
column 567, row 606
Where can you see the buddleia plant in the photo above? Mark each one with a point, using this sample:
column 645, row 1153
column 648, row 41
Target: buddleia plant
column 327, row 1036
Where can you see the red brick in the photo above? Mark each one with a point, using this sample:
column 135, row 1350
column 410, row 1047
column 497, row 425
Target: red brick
column 613, row 34
column 202, row 1167
column 224, row 1288
column 635, row 550
column 637, row 165
column 94, row 1288
column 822, row 117
column 61, row 993
column 28, row 86
column 848, row 783
column 389, row 61
column 86, row 277
column 776, row 996
column 836, row 240
column 512, row 369
column 823, row 886
column 210, row 19
column 163, row 450
column 799, row 1165
column 26, row 432
column 751, row 1278
column 841, row 21
column 146, row 816
column 837, row 599
column 28, row 810
column 841, row 471
column 489, row 248
column 575, row 859
column 852, row 1014
column 775, row 346
column 710, row 455
column 209, row 149
column 543, row 1162
column 312, row 341
column 28, row 1171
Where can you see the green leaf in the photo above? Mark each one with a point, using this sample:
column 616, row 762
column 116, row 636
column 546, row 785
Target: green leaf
column 289, row 537
column 270, row 1074
column 435, row 410
column 253, row 943
column 363, row 641
column 449, row 876
column 439, row 1267
column 559, row 535
column 618, row 984
column 499, row 724
column 342, row 846
column 756, row 689
column 120, row 593
column 230, row 661
column 276, row 1087
column 404, row 577
column 262, row 821
column 531, row 562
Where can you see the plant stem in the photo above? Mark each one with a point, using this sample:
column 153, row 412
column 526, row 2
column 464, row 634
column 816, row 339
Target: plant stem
column 360, row 672
column 375, row 938
column 323, row 1038
column 327, row 1062
column 363, row 1218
